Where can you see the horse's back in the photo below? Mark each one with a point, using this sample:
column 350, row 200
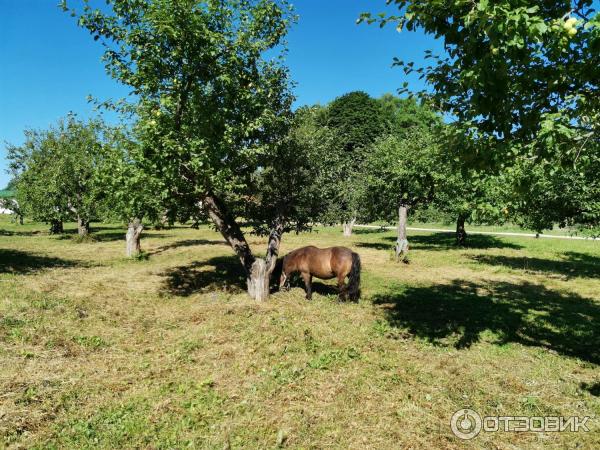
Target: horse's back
column 340, row 252
column 323, row 263
column 341, row 260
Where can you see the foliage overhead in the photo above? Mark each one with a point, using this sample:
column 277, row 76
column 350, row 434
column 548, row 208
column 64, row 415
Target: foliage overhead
column 508, row 65
column 295, row 178
column 522, row 81
column 212, row 108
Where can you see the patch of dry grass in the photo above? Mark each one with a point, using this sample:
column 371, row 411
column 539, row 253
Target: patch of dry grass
column 100, row 352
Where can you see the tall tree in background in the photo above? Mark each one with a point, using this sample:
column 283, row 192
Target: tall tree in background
column 357, row 120
column 55, row 172
column 212, row 110
column 522, row 78
column 405, row 115
column 400, row 175
column 470, row 196
column 127, row 191
column 402, row 168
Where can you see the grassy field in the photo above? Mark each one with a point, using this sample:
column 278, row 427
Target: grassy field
column 168, row 352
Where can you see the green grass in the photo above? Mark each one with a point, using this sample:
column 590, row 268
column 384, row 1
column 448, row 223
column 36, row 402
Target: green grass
column 167, row 351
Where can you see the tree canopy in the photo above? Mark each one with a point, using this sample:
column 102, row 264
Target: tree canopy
column 358, row 118
column 355, row 121
column 212, row 109
column 520, row 81
column 55, row 172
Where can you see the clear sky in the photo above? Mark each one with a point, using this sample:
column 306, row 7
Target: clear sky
column 48, row 66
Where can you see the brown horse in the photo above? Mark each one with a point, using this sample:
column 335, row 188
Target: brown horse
column 324, row 263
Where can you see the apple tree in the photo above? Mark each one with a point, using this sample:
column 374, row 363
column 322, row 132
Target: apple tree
column 522, row 78
column 55, row 172
column 400, row 175
column 212, row 100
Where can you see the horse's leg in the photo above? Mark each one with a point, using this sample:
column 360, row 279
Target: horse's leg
column 341, row 287
column 307, row 277
column 284, row 281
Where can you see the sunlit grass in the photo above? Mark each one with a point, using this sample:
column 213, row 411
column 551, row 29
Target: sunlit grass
column 97, row 351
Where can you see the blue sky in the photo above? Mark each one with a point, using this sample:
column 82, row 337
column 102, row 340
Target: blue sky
column 48, row 66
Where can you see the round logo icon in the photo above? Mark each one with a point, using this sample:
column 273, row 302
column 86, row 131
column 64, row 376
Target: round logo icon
column 465, row 424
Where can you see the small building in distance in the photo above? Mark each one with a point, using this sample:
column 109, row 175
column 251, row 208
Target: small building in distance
column 6, row 198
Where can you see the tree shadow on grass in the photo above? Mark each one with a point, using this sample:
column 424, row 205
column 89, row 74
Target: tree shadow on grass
column 19, row 262
column 20, row 233
column 110, row 236
column 463, row 313
column 221, row 273
column 442, row 242
column 225, row 274
column 378, row 230
column 592, row 388
column 318, row 287
column 376, row 245
column 573, row 264
column 446, row 241
column 186, row 243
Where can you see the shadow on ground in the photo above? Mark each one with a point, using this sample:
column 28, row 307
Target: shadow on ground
column 458, row 314
column 221, row 273
column 318, row 287
column 369, row 230
column 225, row 274
column 442, row 241
column 20, row 233
column 186, row 243
column 120, row 236
column 592, row 388
column 17, row 261
column 573, row 264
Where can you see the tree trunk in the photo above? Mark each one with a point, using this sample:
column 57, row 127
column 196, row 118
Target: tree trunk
column 83, row 226
column 347, row 226
column 132, row 238
column 259, row 278
column 258, row 271
column 402, row 242
column 461, row 233
column 56, row 227
column 230, row 230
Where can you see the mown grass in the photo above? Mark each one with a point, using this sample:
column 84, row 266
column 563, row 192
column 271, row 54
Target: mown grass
column 97, row 351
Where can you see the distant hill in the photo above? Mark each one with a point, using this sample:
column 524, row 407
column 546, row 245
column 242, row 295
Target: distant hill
column 6, row 193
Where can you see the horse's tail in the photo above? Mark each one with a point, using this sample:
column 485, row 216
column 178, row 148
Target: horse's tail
column 354, row 278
